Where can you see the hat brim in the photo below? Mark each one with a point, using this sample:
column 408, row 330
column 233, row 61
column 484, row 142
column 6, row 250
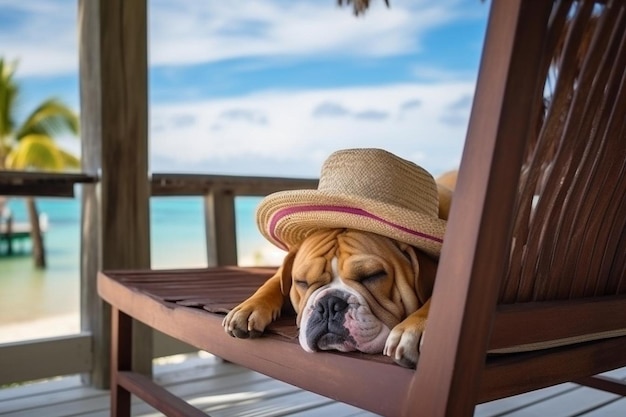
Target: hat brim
column 285, row 218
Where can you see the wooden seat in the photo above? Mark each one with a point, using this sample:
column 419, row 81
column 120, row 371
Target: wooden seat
column 531, row 285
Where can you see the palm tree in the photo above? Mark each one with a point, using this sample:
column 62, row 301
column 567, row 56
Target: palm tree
column 30, row 145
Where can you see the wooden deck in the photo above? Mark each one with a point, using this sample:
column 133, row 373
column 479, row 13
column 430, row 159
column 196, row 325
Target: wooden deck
column 224, row 389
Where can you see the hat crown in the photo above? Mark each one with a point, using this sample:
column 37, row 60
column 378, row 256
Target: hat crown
column 376, row 174
column 364, row 189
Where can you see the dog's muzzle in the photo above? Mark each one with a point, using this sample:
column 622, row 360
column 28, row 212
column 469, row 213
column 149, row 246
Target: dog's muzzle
column 340, row 319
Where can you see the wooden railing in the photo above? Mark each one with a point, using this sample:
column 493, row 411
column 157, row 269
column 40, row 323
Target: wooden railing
column 71, row 354
column 41, row 184
column 219, row 192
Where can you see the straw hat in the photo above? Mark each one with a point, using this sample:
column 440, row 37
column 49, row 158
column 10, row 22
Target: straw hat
column 365, row 189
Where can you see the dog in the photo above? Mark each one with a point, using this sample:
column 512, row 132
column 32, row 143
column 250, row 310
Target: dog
column 353, row 289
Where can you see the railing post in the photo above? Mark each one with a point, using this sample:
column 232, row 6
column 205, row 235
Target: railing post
column 221, row 236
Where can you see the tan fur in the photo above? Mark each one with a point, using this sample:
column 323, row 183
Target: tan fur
column 448, row 179
column 446, row 183
column 402, row 300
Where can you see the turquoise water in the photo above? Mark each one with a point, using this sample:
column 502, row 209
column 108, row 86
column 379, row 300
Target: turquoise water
column 177, row 241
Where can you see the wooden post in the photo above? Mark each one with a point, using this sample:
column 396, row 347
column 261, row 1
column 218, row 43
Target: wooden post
column 36, row 237
column 95, row 316
column 114, row 120
column 221, row 236
column 9, row 234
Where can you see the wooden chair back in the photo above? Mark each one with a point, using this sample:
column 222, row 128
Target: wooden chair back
column 535, row 251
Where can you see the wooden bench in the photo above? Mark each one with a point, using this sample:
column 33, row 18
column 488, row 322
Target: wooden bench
column 533, row 264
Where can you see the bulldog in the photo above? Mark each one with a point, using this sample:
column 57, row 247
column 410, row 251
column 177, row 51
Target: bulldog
column 352, row 290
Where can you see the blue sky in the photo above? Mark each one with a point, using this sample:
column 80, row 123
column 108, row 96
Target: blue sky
column 271, row 87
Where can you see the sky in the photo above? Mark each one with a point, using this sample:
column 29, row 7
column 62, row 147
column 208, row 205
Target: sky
column 272, row 87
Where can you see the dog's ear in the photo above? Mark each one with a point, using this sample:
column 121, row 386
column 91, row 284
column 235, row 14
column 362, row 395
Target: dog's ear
column 406, row 277
column 424, row 270
column 425, row 282
column 285, row 272
column 445, row 201
column 448, row 179
column 446, row 183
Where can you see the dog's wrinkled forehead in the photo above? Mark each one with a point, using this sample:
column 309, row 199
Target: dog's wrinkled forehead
column 312, row 260
column 321, row 243
column 314, row 256
column 351, row 240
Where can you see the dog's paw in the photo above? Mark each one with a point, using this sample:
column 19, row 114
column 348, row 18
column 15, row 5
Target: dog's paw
column 404, row 342
column 249, row 319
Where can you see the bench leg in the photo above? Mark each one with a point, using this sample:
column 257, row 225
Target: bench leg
column 121, row 361
column 604, row 383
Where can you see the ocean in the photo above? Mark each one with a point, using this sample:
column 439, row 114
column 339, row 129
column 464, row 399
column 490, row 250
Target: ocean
column 42, row 303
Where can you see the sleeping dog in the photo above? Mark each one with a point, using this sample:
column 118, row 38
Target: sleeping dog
column 358, row 273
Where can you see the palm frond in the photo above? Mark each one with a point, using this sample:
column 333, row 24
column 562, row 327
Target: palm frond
column 51, row 118
column 69, row 160
column 39, row 152
column 358, row 6
column 8, row 97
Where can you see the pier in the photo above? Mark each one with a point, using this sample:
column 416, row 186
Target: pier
column 12, row 232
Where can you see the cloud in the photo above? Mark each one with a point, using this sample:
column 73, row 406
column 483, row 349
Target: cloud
column 183, row 120
column 282, row 132
column 453, row 119
column 372, row 115
column 410, row 105
column 41, row 35
column 297, row 140
column 189, row 32
column 462, row 103
column 213, row 31
column 254, row 117
column 428, row 73
column 330, row 109
column 457, row 111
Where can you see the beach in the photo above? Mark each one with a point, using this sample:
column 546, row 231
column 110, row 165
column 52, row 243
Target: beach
column 45, row 303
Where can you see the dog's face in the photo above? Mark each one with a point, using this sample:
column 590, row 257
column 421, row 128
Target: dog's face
column 350, row 288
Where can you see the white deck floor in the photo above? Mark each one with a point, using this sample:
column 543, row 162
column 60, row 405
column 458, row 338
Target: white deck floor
column 224, row 389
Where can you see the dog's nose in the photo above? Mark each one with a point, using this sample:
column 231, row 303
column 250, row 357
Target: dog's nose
column 331, row 305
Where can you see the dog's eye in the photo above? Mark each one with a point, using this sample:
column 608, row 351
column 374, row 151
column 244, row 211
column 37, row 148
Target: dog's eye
column 373, row 277
column 302, row 284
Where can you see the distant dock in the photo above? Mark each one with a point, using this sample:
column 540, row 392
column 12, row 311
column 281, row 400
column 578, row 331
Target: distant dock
column 12, row 232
